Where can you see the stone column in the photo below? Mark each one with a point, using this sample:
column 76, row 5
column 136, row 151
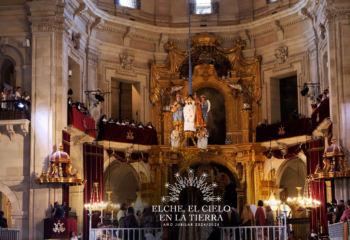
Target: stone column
column 338, row 34
column 49, row 104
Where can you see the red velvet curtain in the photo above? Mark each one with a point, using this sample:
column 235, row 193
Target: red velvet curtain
column 66, row 148
column 93, row 172
column 315, row 149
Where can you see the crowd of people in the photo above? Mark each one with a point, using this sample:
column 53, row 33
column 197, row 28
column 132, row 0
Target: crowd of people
column 128, row 218
column 320, row 99
column 10, row 95
column 79, row 106
column 124, row 122
column 340, row 211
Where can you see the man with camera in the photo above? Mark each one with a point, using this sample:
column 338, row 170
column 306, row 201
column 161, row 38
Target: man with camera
column 57, row 211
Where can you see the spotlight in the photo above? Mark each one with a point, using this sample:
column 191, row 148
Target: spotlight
column 304, row 92
column 70, row 92
column 20, row 105
column 70, row 73
column 99, row 98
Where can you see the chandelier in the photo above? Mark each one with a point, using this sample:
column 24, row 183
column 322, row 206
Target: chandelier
column 274, row 204
column 95, row 203
column 302, row 202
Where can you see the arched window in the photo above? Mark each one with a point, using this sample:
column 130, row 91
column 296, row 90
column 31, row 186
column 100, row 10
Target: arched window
column 130, row 3
column 203, row 7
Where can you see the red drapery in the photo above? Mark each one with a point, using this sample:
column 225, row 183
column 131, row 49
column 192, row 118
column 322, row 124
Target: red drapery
column 93, row 172
column 320, row 114
column 315, row 149
column 292, row 151
column 113, row 132
column 80, row 121
column 283, row 130
column 66, row 148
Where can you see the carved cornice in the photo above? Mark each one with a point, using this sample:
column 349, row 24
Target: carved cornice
column 337, row 13
column 93, row 56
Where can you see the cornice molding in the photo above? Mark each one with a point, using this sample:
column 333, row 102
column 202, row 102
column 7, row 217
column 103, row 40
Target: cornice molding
column 183, row 30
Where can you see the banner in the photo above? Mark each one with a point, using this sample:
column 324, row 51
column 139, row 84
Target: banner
column 283, row 130
column 80, row 121
column 113, row 132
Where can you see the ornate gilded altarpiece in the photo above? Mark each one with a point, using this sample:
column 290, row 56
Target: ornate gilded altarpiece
column 238, row 81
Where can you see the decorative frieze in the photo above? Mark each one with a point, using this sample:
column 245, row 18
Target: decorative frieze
column 340, row 12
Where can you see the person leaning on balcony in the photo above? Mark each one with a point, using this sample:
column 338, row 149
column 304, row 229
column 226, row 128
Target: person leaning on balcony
column 318, row 102
column 26, row 97
column 327, row 92
column 18, row 93
column 346, row 213
column 338, row 213
column 3, row 221
column 3, row 97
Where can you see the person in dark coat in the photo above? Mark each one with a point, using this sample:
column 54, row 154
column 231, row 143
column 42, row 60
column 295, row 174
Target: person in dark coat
column 229, row 219
column 215, row 234
column 3, row 221
column 130, row 221
column 149, row 218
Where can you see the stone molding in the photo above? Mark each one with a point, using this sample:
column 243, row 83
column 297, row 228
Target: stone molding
column 9, row 125
column 337, row 13
column 93, row 56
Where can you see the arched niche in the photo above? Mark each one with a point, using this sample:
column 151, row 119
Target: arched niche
column 292, row 173
column 217, row 115
column 14, row 54
column 123, row 180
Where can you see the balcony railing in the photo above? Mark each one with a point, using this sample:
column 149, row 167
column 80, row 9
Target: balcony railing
column 336, row 230
column 120, row 233
column 14, row 109
column 10, row 234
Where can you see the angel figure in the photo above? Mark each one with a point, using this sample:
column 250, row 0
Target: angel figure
column 202, row 138
column 175, row 137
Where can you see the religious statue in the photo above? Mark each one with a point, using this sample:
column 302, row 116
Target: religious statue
column 205, row 107
column 175, row 137
column 202, row 138
column 189, row 112
column 177, row 109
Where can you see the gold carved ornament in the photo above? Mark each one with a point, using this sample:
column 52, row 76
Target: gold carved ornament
column 333, row 154
column 163, row 74
column 60, row 170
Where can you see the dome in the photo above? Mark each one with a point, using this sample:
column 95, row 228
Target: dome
column 60, row 156
column 334, row 150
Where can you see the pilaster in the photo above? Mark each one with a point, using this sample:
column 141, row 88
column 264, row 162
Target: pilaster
column 49, row 104
column 338, row 34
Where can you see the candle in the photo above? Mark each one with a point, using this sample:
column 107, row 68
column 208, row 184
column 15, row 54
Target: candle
column 284, row 206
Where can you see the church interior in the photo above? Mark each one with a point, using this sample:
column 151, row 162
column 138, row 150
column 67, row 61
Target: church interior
column 109, row 104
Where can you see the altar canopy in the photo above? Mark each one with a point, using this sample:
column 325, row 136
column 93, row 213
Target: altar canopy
column 143, row 136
